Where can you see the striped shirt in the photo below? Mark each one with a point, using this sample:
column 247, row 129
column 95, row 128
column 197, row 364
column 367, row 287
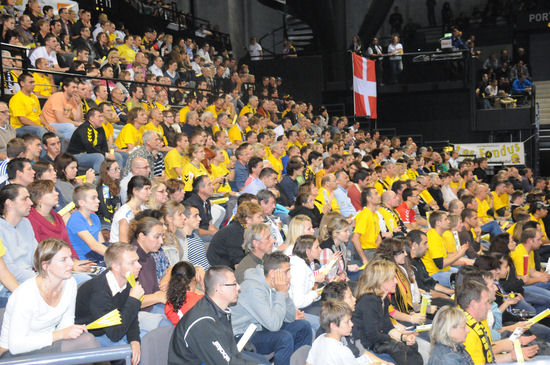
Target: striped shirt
column 197, row 251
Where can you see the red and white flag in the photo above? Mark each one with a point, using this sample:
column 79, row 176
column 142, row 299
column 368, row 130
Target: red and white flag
column 364, row 87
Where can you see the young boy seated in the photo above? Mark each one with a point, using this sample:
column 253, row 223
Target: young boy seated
column 84, row 227
column 328, row 348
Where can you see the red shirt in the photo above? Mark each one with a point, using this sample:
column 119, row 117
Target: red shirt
column 43, row 228
column 355, row 195
column 407, row 215
column 191, row 298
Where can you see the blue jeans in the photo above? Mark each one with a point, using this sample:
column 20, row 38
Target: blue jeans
column 444, row 277
column 90, row 160
column 66, row 129
column 284, row 342
column 536, row 296
column 105, row 341
column 492, row 228
column 38, row 130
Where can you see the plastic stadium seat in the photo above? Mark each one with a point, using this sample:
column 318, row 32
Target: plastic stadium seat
column 154, row 346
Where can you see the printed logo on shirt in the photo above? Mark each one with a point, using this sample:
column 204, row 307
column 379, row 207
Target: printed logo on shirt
column 221, row 351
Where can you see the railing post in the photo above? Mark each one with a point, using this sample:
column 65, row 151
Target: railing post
column 3, row 92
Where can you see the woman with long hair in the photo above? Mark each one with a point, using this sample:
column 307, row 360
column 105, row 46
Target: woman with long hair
column 303, row 280
column 407, row 293
column 139, row 191
column 159, row 194
column 66, row 167
column 298, row 226
column 147, row 235
column 40, row 312
column 174, row 239
column 182, row 292
column 334, row 240
column 108, row 192
column 372, row 324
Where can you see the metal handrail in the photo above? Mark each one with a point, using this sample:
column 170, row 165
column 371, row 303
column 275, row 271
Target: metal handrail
column 122, row 352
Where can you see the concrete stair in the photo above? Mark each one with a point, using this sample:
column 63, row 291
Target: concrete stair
column 543, row 99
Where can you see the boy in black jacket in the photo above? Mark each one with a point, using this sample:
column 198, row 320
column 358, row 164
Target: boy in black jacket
column 111, row 290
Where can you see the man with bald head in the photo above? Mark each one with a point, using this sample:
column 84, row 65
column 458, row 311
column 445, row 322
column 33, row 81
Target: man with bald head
column 139, row 166
column 388, row 218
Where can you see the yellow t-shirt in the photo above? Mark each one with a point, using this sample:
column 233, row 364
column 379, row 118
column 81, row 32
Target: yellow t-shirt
column 22, row 105
column 190, row 172
column 43, row 85
column 183, row 114
column 321, row 201
column 108, row 129
column 369, row 229
column 220, row 171
column 455, row 185
column 174, row 160
column 510, row 230
column 542, row 227
column 212, row 109
column 235, row 134
column 517, row 257
column 128, row 134
column 319, row 177
column 482, row 208
column 151, row 126
column 500, row 201
column 2, row 249
column 473, row 344
column 277, row 164
column 436, row 249
column 449, row 240
column 247, row 109
column 128, row 53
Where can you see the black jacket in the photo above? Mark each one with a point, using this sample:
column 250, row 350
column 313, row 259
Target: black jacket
column 204, row 336
column 88, row 139
column 94, row 299
column 226, row 246
column 424, row 281
column 371, row 321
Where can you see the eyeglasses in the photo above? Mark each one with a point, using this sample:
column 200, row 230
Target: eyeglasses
column 232, row 284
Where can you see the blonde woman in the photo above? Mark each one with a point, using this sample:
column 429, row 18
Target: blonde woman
column 337, row 233
column 447, row 336
column 174, row 245
column 298, row 226
column 39, row 316
column 159, row 194
column 372, row 323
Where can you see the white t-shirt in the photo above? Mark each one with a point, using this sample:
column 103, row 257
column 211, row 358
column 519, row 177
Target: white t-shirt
column 328, row 351
column 255, row 51
column 41, row 52
column 29, row 321
column 124, row 212
column 395, row 48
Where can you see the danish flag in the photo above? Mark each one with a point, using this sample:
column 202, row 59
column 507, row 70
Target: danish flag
column 364, row 87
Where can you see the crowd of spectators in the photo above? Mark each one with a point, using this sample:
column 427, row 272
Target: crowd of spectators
column 246, row 202
column 504, row 80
